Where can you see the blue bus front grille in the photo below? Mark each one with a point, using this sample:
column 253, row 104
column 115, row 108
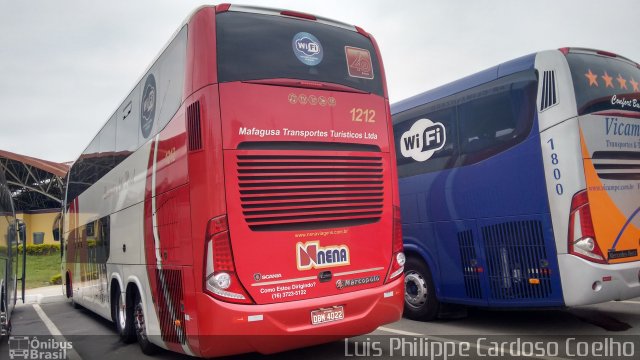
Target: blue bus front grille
column 517, row 261
column 470, row 268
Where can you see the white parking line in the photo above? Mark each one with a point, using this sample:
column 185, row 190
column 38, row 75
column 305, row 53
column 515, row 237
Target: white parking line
column 53, row 330
column 399, row 332
column 630, row 301
column 442, row 340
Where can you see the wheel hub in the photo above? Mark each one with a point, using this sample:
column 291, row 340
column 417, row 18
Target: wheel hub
column 139, row 321
column 415, row 293
column 122, row 315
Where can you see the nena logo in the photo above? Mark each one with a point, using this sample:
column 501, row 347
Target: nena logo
column 423, row 140
column 311, row 255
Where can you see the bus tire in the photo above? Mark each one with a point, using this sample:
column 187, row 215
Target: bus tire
column 124, row 317
column 67, row 285
column 420, row 302
column 3, row 296
column 147, row 347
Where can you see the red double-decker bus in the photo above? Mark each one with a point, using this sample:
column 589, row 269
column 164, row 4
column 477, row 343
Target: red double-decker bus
column 246, row 187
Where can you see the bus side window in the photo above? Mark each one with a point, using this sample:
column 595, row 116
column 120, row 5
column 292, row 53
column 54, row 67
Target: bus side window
column 496, row 117
column 442, row 159
column 480, row 121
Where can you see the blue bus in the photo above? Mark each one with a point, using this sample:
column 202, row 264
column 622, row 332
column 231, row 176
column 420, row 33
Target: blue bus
column 520, row 185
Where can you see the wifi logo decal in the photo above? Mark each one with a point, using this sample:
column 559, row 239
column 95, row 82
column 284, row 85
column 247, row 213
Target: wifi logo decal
column 422, row 140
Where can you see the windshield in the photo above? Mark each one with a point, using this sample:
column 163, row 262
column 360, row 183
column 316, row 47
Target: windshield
column 254, row 47
column 604, row 83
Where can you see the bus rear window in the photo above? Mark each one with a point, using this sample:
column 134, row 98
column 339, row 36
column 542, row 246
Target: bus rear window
column 604, row 83
column 256, row 47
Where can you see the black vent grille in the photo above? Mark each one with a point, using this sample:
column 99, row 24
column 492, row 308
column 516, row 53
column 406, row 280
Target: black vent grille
column 193, row 127
column 170, row 306
column 549, row 97
column 617, row 165
column 291, row 192
column 470, row 267
column 518, row 267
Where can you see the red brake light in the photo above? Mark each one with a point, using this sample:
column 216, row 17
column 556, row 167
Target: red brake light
column 216, row 225
column 579, row 199
column 222, row 8
column 397, row 231
column 582, row 238
column 361, row 31
column 397, row 255
column 298, row 15
column 220, row 278
column 606, row 53
column 311, row 83
column 564, row 50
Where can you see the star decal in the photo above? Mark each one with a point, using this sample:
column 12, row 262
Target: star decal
column 593, row 78
column 622, row 82
column 608, row 80
column 634, row 84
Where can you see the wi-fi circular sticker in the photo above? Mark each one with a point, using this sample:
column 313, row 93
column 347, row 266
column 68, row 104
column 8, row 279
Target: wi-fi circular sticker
column 307, row 48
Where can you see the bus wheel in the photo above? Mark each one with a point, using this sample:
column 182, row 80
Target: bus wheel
column 3, row 296
column 124, row 318
column 147, row 347
column 420, row 302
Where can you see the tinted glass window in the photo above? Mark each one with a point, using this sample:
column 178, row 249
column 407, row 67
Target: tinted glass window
column 128, row 124
column 107, row 145
column 441, row 159
column 604, row 83
column 253, row 47
column 122, row 134
column 496, row 116
column 467, row 127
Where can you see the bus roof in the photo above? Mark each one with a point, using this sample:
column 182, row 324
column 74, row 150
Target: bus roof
column 504, row 69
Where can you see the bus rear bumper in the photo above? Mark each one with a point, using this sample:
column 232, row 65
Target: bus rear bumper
column 235, row 329
column 584, row 282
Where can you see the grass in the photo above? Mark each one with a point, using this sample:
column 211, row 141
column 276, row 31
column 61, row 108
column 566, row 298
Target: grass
column 40, row 269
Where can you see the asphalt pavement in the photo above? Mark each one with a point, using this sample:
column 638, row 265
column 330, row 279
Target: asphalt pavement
column 596, row 331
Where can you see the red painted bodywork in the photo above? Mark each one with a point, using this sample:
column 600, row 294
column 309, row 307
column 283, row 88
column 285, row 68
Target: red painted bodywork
column 194, row 186
column 213, row 191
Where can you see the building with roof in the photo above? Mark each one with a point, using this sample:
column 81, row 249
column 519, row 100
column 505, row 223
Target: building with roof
column 37, row 188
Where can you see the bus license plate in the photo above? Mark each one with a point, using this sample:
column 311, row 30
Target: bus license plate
column 327, row 315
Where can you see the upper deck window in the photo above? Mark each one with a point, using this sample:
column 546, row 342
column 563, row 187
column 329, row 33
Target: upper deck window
column 257, row 47
column 604, row 83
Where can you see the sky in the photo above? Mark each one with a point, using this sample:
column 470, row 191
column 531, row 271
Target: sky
column 66, row 65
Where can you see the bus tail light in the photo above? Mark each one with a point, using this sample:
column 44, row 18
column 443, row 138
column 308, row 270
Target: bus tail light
column 220, row 279
column 397, row 259
column 222, row 8
column 298, row 15
column 582, row 238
